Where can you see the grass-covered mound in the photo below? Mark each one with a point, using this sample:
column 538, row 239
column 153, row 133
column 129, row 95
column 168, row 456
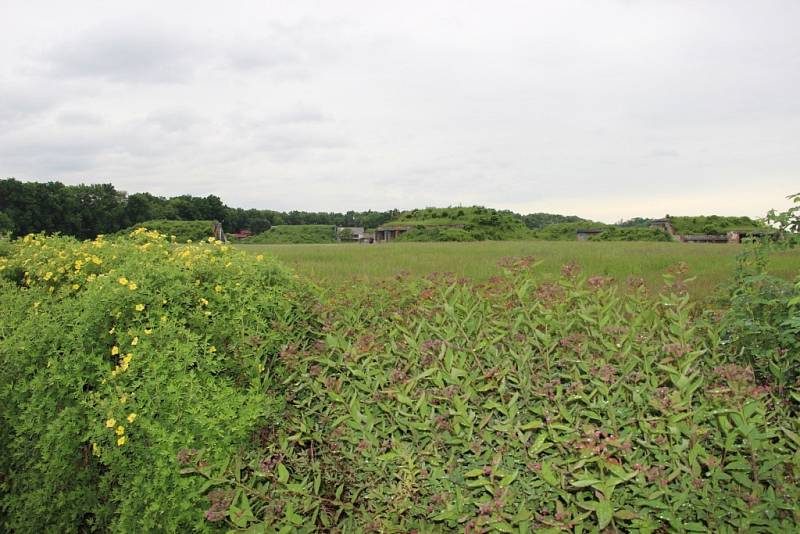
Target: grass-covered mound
column 568, row 232
column 300, row 233
column 118, row 358
column 182, row 230
column 460, row 224
column 714, row 224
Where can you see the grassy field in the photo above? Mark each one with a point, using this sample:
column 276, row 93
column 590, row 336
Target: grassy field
column 341, row 264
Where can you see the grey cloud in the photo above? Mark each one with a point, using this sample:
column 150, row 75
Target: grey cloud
column 23, row 102
column 125, row 53
column 79, row 118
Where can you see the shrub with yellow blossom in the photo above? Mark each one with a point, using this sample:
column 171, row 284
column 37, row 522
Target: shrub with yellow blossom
column 106, row 374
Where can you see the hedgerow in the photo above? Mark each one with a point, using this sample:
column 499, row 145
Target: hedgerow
column 115, row 355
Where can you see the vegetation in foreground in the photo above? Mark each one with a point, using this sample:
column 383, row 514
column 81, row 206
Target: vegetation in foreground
column 147, row 385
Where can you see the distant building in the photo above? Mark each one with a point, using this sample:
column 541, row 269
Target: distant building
column 354, row 233
column 385, row 234
column 585, row 233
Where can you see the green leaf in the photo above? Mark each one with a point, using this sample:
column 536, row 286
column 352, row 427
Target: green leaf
column 283, row 473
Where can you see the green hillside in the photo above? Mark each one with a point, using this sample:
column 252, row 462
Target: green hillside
column 299, row 233
column 460, row 224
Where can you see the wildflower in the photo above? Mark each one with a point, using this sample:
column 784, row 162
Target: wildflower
column 212, row 348
column 121, row 441
column 203, row 302
column 139, row 307
column 123, row 399
column 111, row 422
column 135, row 341
column 114, row 349
column 122, row 281
column 218, row 288
column 163, row 318
column 127, row 359
column 132, row 286
column 259, row 257
column 148, row 331
column 120, row 430
column 95, row 449
column 48, row 275
column 113, row 329
column 76, row 286
column 131, row 417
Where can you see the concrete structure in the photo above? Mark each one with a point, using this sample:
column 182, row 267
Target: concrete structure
column 354, row 233
column 385, row 234
column 585, row 233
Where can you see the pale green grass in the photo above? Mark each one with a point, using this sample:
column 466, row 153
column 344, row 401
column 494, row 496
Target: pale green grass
column 330, row 265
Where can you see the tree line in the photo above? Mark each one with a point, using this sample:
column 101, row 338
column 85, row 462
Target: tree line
column 85, row 211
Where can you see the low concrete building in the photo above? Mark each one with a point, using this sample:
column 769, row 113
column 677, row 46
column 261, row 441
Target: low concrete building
column 385, row 234
column 354, row 233
column 585, row 233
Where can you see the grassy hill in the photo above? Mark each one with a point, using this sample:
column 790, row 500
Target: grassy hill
column 713, row 224
column 460, row 224
column 299, row 233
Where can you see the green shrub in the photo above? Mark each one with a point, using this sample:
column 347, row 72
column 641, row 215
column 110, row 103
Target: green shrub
column 300, row 233
column 616, row 233
column 122, row 356
column 518, row 405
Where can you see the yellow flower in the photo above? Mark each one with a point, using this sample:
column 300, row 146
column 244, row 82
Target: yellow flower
column 135, row 341
column 148, row 331
column 48, row 275
column 203, row 302
column 120, row 430
column 259, row 257
column 122, row 281
column 127, row 359
column 95, row 449
column 113, row 329
column 131, row 417
column 110, row 423
column 132, row 286
column 123, row 399
column 139, row 307
column 114, row 349
column 121, row 441
column 218, row 288
column 76, row 286
column 212, row 348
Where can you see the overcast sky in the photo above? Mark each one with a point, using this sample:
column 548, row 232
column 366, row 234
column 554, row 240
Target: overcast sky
column 602, row 108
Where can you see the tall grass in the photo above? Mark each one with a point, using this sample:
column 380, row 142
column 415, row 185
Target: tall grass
column 332, row 265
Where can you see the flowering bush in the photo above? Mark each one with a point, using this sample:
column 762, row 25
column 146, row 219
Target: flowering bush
column 116, row 354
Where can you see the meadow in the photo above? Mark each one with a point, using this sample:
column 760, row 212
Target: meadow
column 341, row 264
